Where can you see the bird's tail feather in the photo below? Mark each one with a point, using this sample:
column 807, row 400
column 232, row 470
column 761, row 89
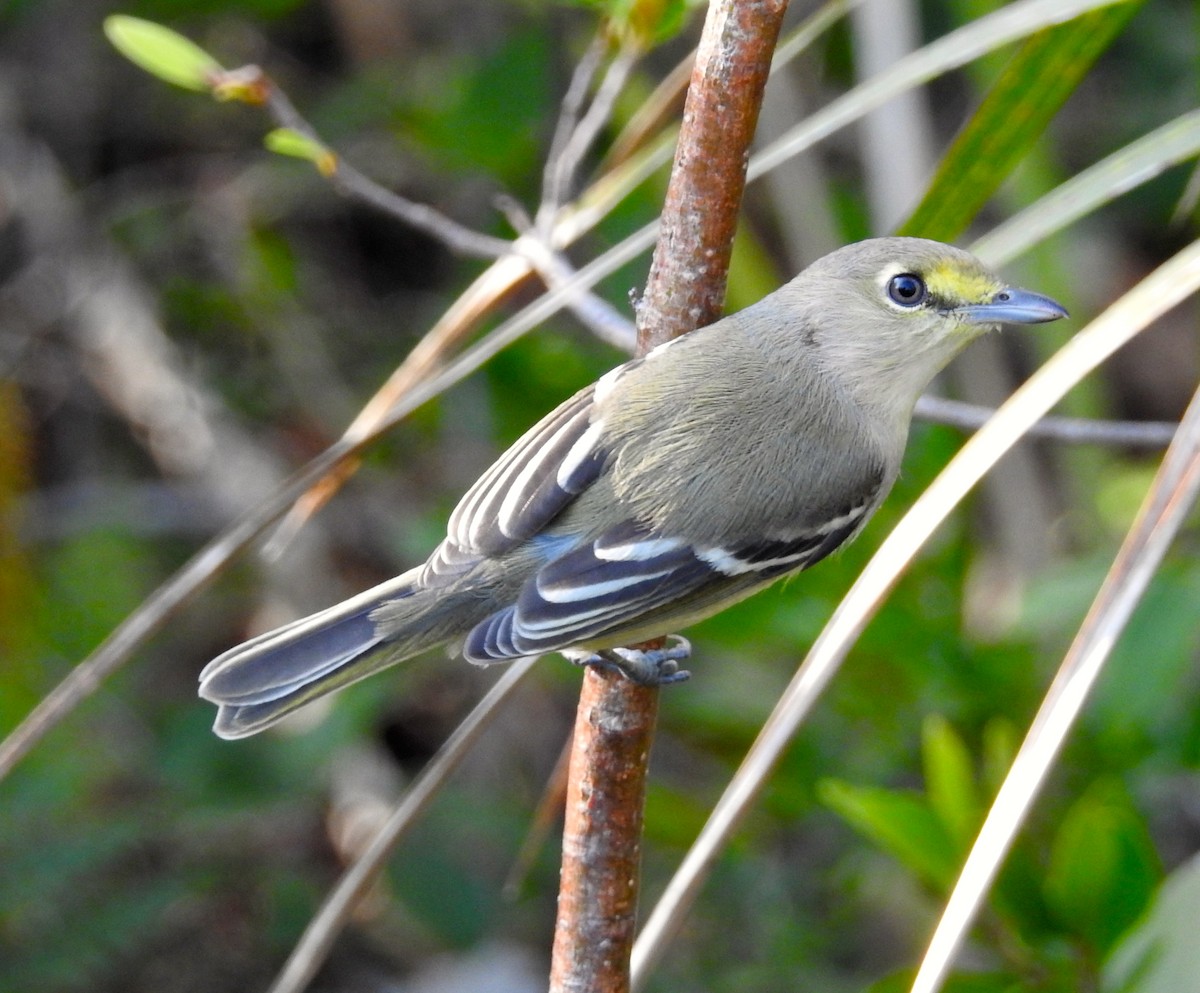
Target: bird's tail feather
column 257, row 683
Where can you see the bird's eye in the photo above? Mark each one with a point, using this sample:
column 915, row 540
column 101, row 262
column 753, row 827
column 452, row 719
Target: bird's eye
column 907, row 289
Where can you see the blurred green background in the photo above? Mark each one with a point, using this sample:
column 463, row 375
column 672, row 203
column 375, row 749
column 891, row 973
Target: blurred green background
column 184, row 319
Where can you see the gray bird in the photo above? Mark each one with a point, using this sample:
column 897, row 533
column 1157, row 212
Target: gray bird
column 677, row 484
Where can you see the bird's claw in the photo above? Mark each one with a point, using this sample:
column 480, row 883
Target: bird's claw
column 644, row 666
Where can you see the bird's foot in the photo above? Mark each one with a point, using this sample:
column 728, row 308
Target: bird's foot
column 644, row 666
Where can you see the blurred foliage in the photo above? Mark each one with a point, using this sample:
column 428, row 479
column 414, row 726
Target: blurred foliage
column 139, row 852
column 1028, row 93
column 644, row 22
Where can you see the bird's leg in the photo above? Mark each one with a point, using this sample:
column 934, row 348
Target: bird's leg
column 646, row 666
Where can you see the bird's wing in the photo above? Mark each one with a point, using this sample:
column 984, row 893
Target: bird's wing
column 530, row 484
column 629, row 579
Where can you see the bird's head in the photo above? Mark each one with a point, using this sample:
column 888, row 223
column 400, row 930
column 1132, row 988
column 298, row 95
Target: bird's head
column 891, row 312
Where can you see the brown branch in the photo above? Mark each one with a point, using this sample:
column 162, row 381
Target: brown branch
column 686, row 289
column 601, row 859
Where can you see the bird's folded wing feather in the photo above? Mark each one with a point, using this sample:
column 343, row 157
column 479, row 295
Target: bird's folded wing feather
column 532, row 482
column 629, row 574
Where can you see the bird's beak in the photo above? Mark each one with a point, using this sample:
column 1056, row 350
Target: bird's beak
column 1013, row 306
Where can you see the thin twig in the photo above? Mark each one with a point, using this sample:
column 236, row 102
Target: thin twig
column 561, row 171
column 591, row 310
column 546, row 815
column 455, row 236
column 1072, row 430
column 594, row 312
column 314, row 945
column 568, row 119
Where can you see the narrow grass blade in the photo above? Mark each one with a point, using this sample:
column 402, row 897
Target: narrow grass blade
column 1029, row 92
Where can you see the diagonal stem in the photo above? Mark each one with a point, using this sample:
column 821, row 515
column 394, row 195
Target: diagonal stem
column 1164, row 511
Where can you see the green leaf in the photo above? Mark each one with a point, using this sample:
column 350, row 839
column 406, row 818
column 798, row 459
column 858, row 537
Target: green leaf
column 1160, row 953
column 162, row 52
column 1125, row 169
column 1103, row 866
column 1029, row 92
column 285, row 141
column 949, row 780
column 901, row 823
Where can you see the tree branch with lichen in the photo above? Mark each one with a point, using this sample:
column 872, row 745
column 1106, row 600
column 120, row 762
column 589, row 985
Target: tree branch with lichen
column 615, row 719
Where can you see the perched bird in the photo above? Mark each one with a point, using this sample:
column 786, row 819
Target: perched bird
column 675, row 485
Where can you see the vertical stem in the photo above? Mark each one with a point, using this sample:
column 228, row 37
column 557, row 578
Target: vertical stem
column 601, row 859
column 614, row 724
column 686, row 286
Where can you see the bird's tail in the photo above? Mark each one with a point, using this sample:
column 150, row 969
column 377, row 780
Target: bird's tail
column 257, row 683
